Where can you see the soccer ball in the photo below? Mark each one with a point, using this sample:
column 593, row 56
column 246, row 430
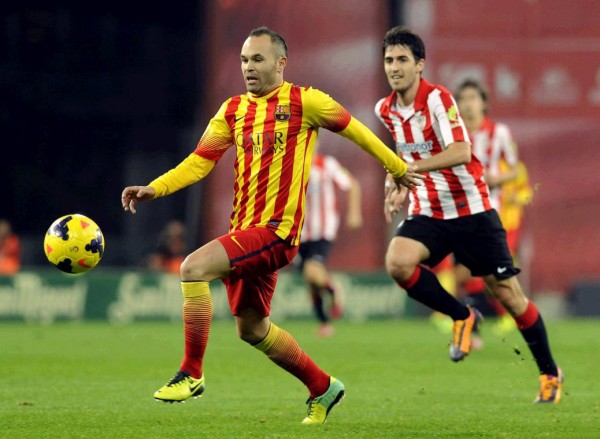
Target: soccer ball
column 74, row 244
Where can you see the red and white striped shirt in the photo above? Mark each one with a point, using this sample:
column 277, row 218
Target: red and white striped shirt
column 322, row 217
column 492, row 143
column 426, row 129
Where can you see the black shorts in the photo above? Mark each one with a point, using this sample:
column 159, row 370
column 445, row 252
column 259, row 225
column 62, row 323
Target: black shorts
column 315, row 250
column 477, row 241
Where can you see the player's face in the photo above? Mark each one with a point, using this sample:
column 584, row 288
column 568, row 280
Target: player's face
column 262, row 65
column 401, row 68
column 470, row 103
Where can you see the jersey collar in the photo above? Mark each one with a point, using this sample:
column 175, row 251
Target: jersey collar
column 420, row 102
column 269, row 94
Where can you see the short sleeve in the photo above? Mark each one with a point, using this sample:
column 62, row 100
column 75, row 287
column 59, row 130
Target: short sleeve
column 445, row 111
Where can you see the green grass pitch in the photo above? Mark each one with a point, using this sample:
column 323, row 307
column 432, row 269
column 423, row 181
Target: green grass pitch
column 93, row 380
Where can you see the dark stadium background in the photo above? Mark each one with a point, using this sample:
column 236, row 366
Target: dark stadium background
column 94, row 97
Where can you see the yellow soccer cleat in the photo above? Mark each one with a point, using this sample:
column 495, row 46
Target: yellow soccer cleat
column 550, row 388
column 180, row 388
column 463, row 329
column 319, row 407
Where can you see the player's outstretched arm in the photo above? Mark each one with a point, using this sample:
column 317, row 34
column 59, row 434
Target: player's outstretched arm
column 370, row 143
column 132, row 195
column 191, row 170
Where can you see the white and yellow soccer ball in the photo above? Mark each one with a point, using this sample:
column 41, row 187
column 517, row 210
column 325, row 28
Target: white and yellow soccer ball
column 74, row 244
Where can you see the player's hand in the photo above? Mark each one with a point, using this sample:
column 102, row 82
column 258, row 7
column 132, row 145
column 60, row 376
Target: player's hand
column 411, row 179
column 389, row 185
column 394, row 202
column 132, row 195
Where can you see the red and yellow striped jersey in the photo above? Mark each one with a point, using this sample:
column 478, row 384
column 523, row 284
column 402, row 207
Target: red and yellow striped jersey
column 274, row 136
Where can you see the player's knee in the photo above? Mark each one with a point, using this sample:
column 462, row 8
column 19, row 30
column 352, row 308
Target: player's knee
column 399, row 269
column 246, row 336
column 314, row 273
column 250, row 335
column 251, row 327
column 309, row 274
column 192, row 270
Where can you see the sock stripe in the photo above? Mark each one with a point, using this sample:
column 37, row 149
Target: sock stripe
column 281, row 348
column 194, row 288
column 412, row 280
column 529, row 317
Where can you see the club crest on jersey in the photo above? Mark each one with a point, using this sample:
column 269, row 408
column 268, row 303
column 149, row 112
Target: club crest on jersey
column 453, row 117
column 421, row 121
column 283, row 113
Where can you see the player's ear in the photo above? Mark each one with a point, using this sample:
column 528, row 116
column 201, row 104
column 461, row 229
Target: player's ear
column 420, row 65
column 281, row 63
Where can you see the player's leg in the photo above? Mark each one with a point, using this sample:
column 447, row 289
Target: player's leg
column 446, row 276
column 505, row 321
column 324, row 280
column 208, row 263
column 531, row 325
column 484, row 250
column 422, row 239
column 315, row 276
column 281, row 348
column 250, row 289
column 403, row 260
column 476, row 294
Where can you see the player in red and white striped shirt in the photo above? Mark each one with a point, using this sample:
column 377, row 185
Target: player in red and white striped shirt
column 321, row 223
column 322, row 217
column 451, row 212
column 492, row 142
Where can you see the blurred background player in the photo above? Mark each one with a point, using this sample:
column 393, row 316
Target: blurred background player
column 321, row 224
column 10, row 249
column 171, row 249
column 493, row 145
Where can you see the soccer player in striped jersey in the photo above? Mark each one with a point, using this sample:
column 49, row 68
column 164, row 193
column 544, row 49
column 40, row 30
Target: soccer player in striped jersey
column 273, row 128
column 321, row 224
column 451, row 212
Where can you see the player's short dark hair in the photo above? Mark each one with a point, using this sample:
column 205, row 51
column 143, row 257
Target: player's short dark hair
column 472, row 83
column 402, row 36
column 275, row 38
